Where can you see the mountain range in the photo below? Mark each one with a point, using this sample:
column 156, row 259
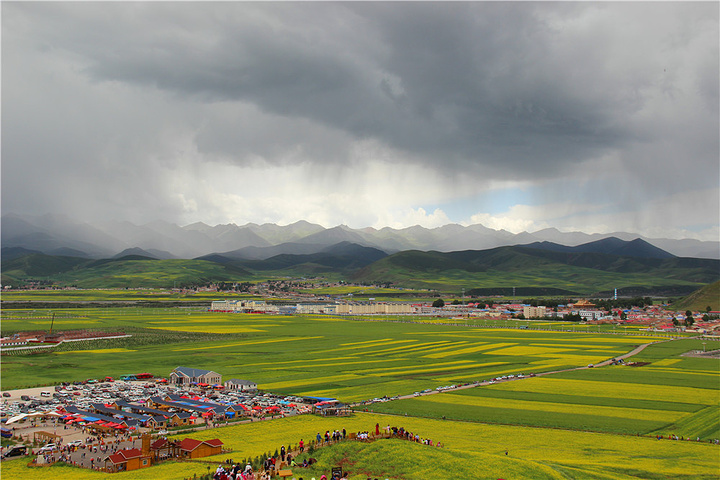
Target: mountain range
column 61, row 235
column 540, row 268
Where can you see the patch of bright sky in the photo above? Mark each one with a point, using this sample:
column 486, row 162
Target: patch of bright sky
column 492, row 202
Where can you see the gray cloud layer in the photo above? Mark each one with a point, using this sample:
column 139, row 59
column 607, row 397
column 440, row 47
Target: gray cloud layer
column 115, row 94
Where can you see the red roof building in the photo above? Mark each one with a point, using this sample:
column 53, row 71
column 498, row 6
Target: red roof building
column 126, row 460
column 191, row 448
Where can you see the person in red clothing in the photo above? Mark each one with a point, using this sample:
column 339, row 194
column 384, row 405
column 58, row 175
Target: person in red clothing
column 301, row 446
column 377, row 429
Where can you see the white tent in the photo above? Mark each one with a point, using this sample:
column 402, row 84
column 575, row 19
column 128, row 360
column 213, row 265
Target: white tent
column 22, row 416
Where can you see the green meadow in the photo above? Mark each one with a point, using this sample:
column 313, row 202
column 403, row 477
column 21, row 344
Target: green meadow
column 470, row 450
column 113, row 296
column 312, row 355
column 595, row 415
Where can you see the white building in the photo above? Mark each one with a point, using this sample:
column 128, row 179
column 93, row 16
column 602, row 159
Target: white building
column 243, row 306
column 374, row 309
column 187, row 376
column 240, row 385
column 315, row 308
column 591, row 314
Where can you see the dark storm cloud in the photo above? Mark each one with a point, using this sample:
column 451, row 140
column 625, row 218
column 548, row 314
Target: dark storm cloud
column 121, row 92
column 490, row 84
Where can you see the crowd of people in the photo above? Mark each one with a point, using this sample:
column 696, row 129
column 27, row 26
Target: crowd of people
column 697, row 439
column 237, row 472
column 289, row 457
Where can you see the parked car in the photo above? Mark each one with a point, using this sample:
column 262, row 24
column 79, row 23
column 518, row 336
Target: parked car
column 75, row 443
column 15, row 451
column 6, row 394
column 50, row 447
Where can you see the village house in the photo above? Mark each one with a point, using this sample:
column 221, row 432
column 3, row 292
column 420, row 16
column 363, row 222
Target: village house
column 127, row 460
column 162, row 449
column 181, row 418
column 190, row 448
column 188, row 376
column 240, row 385
column 243, row 306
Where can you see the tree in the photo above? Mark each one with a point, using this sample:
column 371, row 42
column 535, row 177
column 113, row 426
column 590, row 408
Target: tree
column 689, row 320
column 675, row 322
column 439, row 303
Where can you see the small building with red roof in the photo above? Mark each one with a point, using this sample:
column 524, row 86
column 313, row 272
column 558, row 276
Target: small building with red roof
column 126, row 460
column 190, row 448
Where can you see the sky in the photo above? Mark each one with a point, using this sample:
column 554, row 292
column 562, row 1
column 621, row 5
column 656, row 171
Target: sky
column 594, row 117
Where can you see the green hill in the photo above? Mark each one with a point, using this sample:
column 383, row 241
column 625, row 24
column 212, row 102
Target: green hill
column 707, row 296
column 131, row 271
column 494, row 271
column 506, row 267
column 37, row 266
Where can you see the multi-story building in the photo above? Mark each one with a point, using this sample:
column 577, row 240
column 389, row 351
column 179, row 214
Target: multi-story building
column 534, row 312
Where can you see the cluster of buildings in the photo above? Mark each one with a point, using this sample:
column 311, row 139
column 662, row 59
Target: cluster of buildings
column 398, row 308
column 655, row 315
column 161, row 449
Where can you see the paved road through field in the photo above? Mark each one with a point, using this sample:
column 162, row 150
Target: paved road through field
column 604, row 363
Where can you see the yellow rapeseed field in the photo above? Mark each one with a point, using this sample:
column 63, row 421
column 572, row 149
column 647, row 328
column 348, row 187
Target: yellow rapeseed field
column 531, row 452
column 539, row 406
column 592, row 388
column 305, row 382
column 239, row 344
column 464, row 351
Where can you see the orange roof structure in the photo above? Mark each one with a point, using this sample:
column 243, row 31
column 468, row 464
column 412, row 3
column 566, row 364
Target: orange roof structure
column 189, row 444
column 124, row 455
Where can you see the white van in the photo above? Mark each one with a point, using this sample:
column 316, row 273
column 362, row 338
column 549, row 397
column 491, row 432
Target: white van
column 45, row 394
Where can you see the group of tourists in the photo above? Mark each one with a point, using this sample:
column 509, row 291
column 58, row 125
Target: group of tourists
column 236, row 472
column 697, row 439
column 285, row 457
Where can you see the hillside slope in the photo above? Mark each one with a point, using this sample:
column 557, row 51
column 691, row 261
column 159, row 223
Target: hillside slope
column 707, row 296
column 507, row 267
column 129, row 271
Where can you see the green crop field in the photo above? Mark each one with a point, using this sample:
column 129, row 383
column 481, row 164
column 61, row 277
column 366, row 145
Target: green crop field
column 591, row 411
column 311, row 355
column 470, row 450
column 113, row 295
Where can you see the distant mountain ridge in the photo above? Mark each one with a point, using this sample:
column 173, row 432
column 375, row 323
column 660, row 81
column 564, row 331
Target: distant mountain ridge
column 500, row 269
column 612, row 245
column 59, row 234
column 552, row 269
